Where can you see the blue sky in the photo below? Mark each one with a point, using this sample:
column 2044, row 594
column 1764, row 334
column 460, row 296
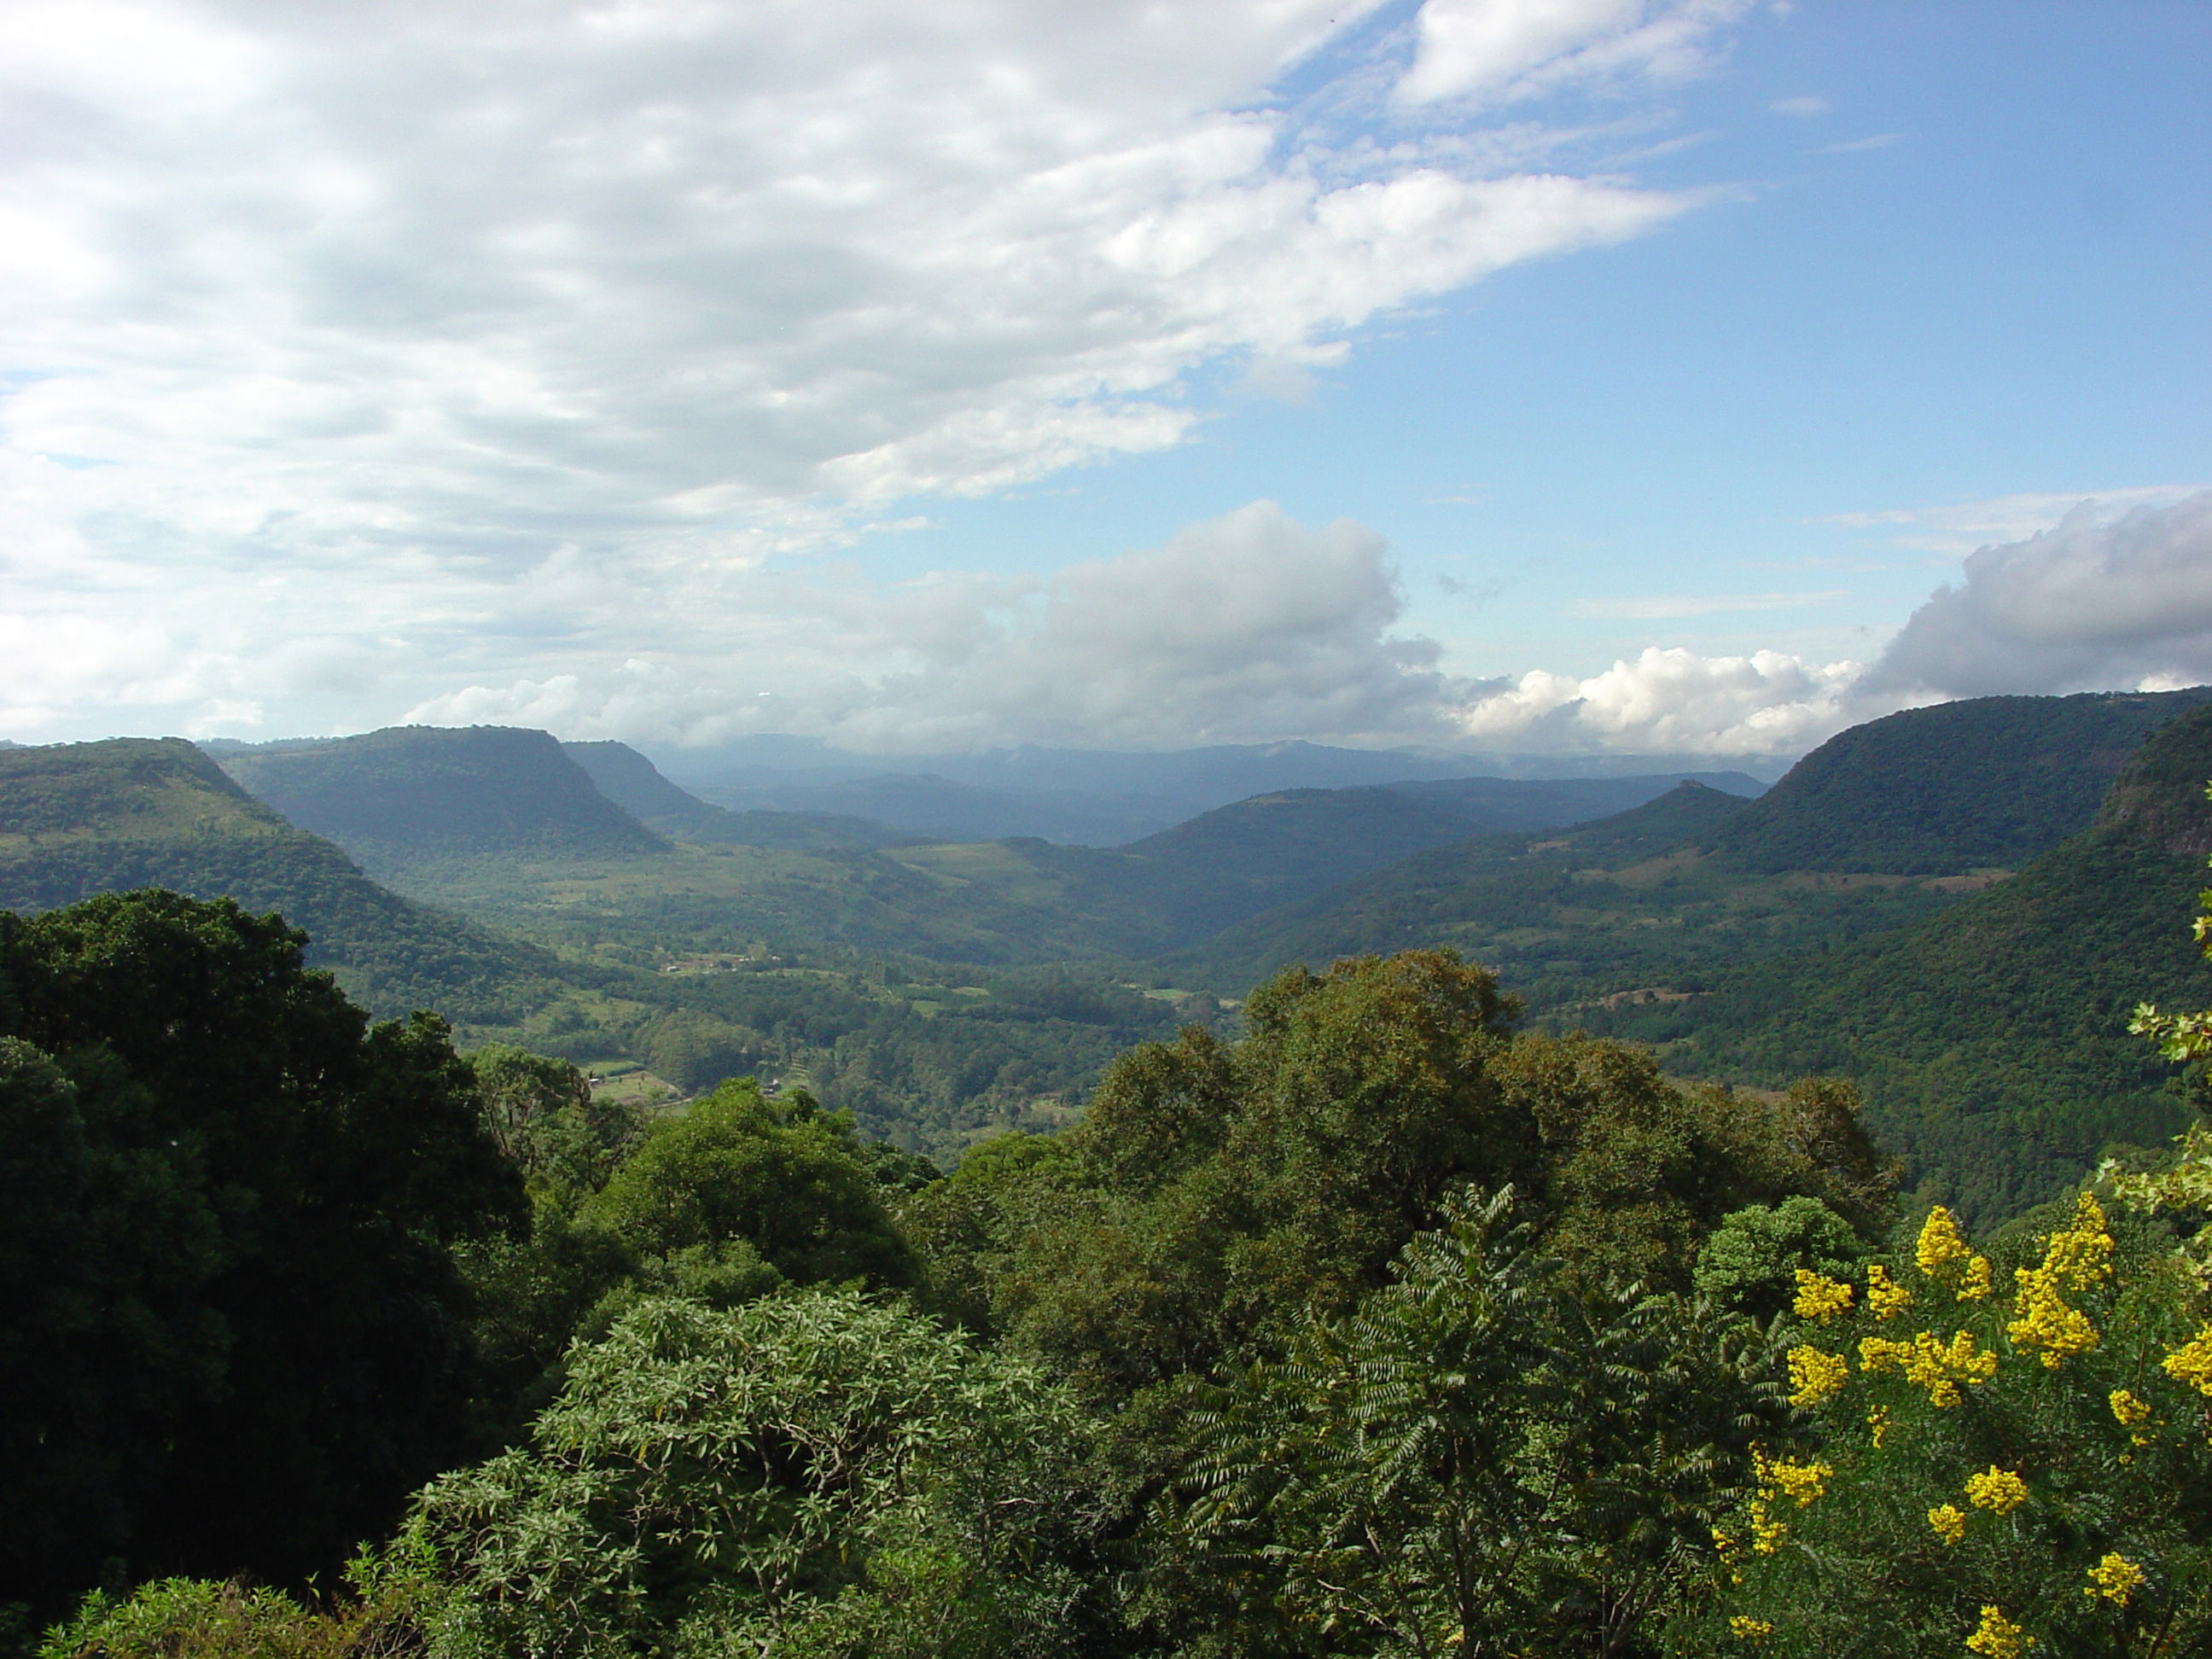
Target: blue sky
column 1620, row 374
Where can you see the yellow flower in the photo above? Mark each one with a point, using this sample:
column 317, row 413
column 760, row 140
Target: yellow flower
column 1884, row 1296
column 1780, row 1477
column 1765, row 1531
column 1949, row 1522
column 1878, row 1421
column 2081, row 1257
column 2192, row 1362
column 1947, row 1258
column 2115, row 1578
column 1925, row 1363
column 1998, row 1637
column 2000, row 1491
column 2046, row 1325
column 1820, row 1298
column 1974, row 1282
column 2130, row 1411
column 1744, row 1628
column 2076, row 1258
column 1815, row 1375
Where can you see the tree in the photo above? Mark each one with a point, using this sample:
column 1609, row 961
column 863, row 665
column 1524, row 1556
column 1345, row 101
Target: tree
column 1478, row 1461
column 812, row 1473
column 230, row 1328
column 1987, row 1466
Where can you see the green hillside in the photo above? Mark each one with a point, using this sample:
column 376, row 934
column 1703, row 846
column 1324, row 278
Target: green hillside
column 634, row 783
column 928, row 1061
column 1499, row 805
column 1564, row 915
column 1992, row 1038
column 1991, row 781
column 412, row 794
column 82, row 819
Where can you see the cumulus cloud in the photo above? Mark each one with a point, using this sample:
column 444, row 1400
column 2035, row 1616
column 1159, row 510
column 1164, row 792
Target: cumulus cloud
column 2094, row 602
column 1247, row 627
column 1251, row 626
column 480, row 276
column 1767, row 704
column 1958, row 528
column 487, row 344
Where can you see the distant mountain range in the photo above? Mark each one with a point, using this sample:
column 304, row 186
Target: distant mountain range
column 1107, row 798
column 1955, row 906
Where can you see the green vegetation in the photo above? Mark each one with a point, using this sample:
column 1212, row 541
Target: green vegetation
column 232, row 1336
column 1386, row 1328
column 1991, row 781
column 395, row 797
column 77, row 819
column 1990, row 1039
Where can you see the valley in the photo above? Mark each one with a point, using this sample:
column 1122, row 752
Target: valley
column 1931, row 905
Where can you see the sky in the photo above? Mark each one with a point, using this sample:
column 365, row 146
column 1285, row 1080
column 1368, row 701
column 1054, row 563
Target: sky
column 1691, row 376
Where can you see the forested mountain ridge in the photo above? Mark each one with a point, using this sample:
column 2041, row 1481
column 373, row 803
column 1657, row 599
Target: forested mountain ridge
column 924, row 1062
column 1621, row 903
column 1989, row 782
column 1991, row 1037
column 408, row 795
column 634, row 783
column 77, row 819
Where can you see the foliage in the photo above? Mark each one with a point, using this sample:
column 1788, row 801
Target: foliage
column 2029, row 1458
column 1990, row 1039
column 1216, row 1193
column 1983, row 782
column 812, row 1473
column 210, row 1619
column 230, row 1336
column 1477, row 1461
column 1752, row 1260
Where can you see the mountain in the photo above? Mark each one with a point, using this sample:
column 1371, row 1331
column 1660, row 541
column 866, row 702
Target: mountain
column 1991, row 781
column 1096, row 798
column 931, row 1063
column 634, row 783
column 1501, row 803
column 1991, row 1038
column 82, row 819
column 1558, row 904
column 411, row 795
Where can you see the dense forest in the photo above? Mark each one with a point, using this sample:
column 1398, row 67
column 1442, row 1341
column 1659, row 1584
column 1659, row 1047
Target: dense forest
column 1387, row 1326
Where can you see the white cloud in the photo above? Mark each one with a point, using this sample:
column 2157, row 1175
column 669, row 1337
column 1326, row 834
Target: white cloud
column 1504, row 49
column 1243, row 628
column 460, row 338
column 1802, row 108
column 1247, row 627
column 1673, row 700
column 2093, row 602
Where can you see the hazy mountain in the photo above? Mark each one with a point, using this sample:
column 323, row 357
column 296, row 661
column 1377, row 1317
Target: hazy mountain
column 410, row 794
column 82, row 819
column 923, row 806
column 1098, row 798
column 630, row 780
